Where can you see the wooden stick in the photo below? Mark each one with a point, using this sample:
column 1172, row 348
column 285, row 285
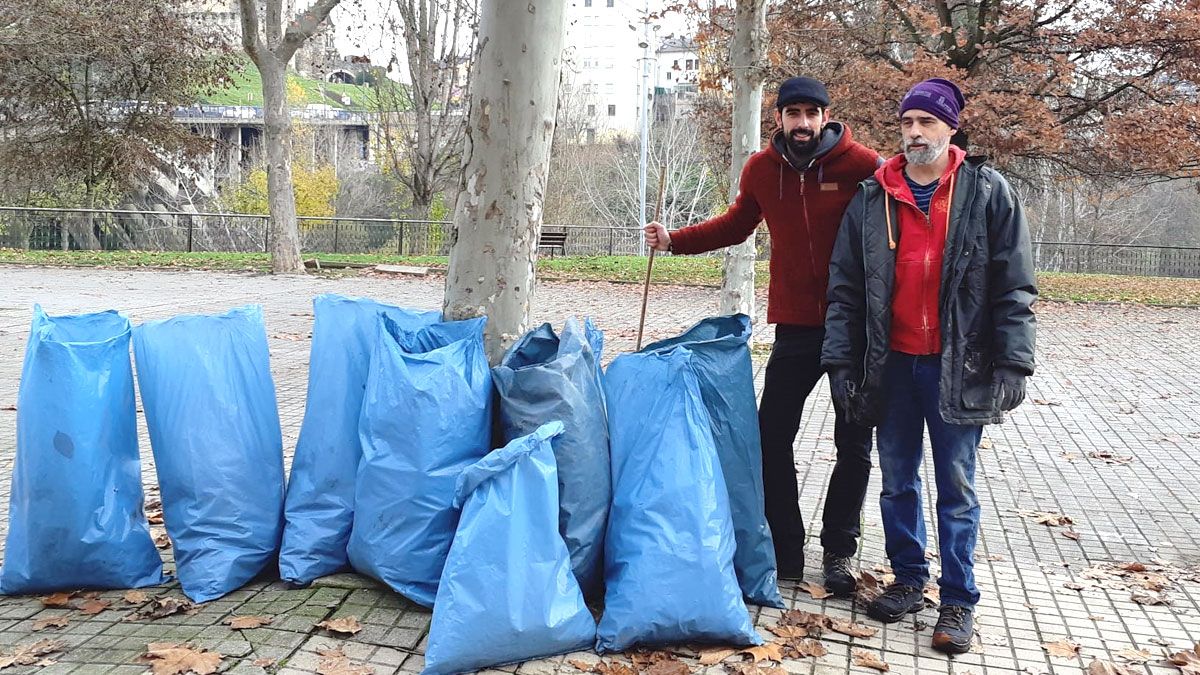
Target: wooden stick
column 658, row 207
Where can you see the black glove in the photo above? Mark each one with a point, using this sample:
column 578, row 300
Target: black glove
column 1008, row 387
column 842, row 387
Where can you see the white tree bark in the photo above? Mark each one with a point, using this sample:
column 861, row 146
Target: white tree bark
column 746, row 58
column 271, row 47
column 498, row 216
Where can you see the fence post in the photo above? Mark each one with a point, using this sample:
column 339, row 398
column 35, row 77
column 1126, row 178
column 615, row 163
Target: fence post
column 191, row 223
column 610, row 241
column 266, row 234
column 400, row 240
column 335, row 235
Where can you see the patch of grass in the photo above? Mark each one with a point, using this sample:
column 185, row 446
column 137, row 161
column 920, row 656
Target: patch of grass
column 246, row 89
column 255, row 262
column 1118, row 288
column 667, row 269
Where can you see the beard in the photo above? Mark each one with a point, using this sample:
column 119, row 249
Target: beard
column 803, row 141
column 925, row 155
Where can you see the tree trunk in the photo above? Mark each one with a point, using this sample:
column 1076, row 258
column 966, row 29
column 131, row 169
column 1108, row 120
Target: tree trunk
column 285, row 235
column 498, row 215
column 746, row 52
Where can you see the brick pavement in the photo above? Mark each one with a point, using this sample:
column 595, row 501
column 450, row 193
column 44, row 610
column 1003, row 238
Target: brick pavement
column 1115, row 381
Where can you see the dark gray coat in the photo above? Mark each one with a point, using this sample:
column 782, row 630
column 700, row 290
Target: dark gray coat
column 987, row 290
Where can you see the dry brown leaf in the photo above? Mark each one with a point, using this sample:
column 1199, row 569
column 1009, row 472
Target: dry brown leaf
column 247, row 622
column 1047, row 518
column 347, row 625
column 770, row 651
column 667, row 667
column 1133, row 567
column 163, row 607
column 1187, row 661
column 789, row 631
column 846, row 627
column 868, row 659
column 94, row 606
column 1109, row 457
column 154, row 517
column 817, row 591
column 31, row 654
column 1135, row 655
column 1098, row 667
column 1063, row 649
column 51, row 622
column 162, row 541
column 173, row 659
column 752, row 669
column 335, row 662
column 613, row 668
column 799, row 617
column 59, row 600
column 711, row 656
column 804, row 648
column 582, row 666
column 1071, row 534
column 1150, row 598
column 135, row 597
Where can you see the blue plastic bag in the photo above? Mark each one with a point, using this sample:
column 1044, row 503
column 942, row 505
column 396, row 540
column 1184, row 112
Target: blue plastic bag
column 75, row 516
column 669, row 551
column 426, row 416
column 319, row 508
column 507, row 593
column 210, row 407
column 721, row 359
column 550, row 377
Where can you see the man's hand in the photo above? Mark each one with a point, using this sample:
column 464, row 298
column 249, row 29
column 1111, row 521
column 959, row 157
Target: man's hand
column 1008, row 386
column 841, row 388
column 657, row 236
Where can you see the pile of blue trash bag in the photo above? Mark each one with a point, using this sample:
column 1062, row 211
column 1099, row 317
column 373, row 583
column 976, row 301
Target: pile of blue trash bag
column 75, row 508
column 214, row 428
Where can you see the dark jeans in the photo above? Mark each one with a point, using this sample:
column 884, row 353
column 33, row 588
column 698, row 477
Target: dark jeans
column 911, row 390
column 792, row 372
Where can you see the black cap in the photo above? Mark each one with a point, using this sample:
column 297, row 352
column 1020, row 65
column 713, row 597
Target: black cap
column 801, row 89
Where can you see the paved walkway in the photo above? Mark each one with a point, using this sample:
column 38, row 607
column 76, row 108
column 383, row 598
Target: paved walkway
column 1109, row 440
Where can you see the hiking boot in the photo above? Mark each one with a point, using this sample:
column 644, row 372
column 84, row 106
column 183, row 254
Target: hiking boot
column 897, row 600
column 954, row 630
column 839, row 577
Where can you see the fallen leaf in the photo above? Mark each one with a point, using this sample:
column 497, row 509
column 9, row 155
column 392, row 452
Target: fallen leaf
column 711, row 656
column 1063, row 649
column 804, row 648
column 1042, row 401
column 1135, row 655
column 1047, row 518
column 817, row 591
column 94, row 606
column 1109, row 457
column 811, row 621
column 1133, row 567
column 996, row 557
column 1098, row 667
column 789, row 631
column 985, row 444
column 613, row 668
column 347, row 625
column 51, row 622
column 162, row 541
column 1074, row 586
column 335, row 662
column 1188, row 661
column 667, row 667
column 154, row 517
column 582, row 666
column 846, row 627
column 135, row 597
column 247, row 622
column 932, row 594
column 1071, row 534
column 28, row 655
column 867, row 659
column 173, row 659
column 59, row 599
column 752, row 669
column 771, row 651
column 1149, row 598
column 163, row 607
column 264, row 663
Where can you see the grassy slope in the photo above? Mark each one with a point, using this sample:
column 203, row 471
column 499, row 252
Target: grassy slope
column 246, row 89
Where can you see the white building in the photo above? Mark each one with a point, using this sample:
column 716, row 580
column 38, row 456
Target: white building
column 677, row 78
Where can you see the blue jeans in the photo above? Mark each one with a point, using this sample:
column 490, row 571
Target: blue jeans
column 911, row 392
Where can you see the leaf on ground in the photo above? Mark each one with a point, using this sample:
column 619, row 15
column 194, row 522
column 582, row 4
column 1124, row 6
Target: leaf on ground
column 932, row 595
column 1110, row 457
column 770, row 651
column 985, row 444
column 582, row 666
column 347, row 625
column 247, row 622
column 846, row 627
column 817, row 591
column 1133, row 567
column 805, row 648
column 868, row 659
column 335, row 662
column 135, row 597
column 31, row 654
column 94, row 606
column 58, row 599
column 1150, row 598
column 1063, row 649
column 1071, row 534
column 1130, row 655
column 752, row 669
column 711, row 656
column 1188, row 661
column 51, row 622
column 154, row 517
column 789, row 631
column 173, row 659
column 162, row 541
column 667, row 667
column 163, row 607
column 1098, row 667
column 613, row 668
column 1042, row 401
column 1047, row 518
column 264, row 663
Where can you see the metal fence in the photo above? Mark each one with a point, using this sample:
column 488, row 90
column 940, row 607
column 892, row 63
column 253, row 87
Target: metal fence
column 30, row 228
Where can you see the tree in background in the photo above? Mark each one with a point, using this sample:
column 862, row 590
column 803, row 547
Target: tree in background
column 271, row 46
column 87, row 90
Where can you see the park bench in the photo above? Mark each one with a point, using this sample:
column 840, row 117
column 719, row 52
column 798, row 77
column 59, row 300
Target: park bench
column 553, row 240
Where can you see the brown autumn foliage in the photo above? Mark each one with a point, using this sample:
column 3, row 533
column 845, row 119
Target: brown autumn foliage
column 1087, row 89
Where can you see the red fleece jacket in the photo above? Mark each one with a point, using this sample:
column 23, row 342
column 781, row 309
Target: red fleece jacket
column 803, row 210
column 922, row 242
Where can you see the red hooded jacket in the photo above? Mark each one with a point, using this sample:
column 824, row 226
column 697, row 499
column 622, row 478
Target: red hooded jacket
column 919, row 253
column 803, row 209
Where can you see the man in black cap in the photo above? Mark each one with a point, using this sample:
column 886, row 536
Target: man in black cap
column 800, row 185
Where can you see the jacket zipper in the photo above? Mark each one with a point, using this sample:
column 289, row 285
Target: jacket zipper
column 812, row 256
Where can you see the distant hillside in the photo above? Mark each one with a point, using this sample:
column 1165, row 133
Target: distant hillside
column 246, row 89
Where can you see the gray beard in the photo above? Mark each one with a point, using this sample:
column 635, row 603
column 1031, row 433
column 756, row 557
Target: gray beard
column 928, row 155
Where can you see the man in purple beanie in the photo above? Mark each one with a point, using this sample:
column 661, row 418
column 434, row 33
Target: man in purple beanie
column 930, row 326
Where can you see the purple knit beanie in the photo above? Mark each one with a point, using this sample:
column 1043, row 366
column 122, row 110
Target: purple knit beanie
column 938, row 97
